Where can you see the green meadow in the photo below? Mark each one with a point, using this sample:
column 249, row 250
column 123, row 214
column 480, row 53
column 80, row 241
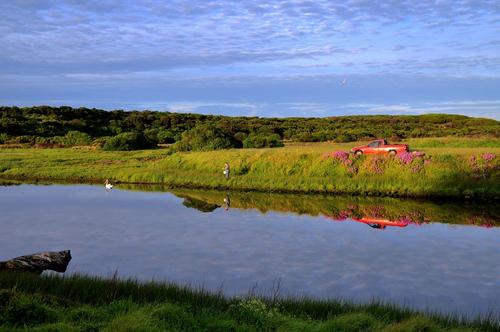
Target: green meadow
column 80, row 303
column 451, row 167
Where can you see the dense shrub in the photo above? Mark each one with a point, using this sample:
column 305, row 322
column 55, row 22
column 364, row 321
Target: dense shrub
column 25, row 139
column 3, row 138
column 166, row 127
column 262, row 141
column 76, row 138
column 127, row 142
column 151, row 135
column 166, row 137
column 205, row 137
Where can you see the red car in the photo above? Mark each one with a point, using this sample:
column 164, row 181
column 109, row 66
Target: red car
column 380, row 146
column 380, row 223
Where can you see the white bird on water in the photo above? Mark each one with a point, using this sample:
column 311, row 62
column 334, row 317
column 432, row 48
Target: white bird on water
column 108, row 185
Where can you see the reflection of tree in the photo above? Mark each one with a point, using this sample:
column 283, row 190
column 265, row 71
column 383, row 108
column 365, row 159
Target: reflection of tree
column 199, row 205
column 342, row 207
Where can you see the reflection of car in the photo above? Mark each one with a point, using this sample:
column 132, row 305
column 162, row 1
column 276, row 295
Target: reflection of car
column 380, row 223
column 380, row 146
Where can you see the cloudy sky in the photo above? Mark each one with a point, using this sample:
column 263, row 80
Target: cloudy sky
column 249, row 57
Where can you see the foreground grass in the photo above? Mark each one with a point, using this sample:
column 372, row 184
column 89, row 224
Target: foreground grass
column 78, row 303
column 448, row 171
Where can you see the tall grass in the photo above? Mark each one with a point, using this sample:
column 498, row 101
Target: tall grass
column 80, row 303
column 296, row 168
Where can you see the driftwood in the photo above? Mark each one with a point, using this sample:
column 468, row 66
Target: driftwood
column 37, row 263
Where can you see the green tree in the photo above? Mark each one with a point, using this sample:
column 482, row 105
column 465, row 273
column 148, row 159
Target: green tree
column 127, row 142
column 255, row 140
column 205, row 137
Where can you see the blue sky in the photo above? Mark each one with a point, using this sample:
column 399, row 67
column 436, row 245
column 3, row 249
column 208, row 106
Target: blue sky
column 258, row 58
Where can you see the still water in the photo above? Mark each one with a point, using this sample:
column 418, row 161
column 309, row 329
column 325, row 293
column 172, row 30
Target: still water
column 425, row 255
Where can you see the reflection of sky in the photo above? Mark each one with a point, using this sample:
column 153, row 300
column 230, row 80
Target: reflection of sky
column 152, row 235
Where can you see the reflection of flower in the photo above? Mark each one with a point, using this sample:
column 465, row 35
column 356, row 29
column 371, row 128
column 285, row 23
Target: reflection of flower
column 481, row 221
column 342, row 215
column 377, row 211
column 405, row 220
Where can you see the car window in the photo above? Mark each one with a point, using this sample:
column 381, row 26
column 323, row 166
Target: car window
column 374, row 144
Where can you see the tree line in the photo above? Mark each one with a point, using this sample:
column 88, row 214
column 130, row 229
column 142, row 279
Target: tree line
column 70, row 126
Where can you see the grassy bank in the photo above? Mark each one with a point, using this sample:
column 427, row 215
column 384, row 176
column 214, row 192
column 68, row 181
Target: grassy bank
column 451, row 167
column 78, row 303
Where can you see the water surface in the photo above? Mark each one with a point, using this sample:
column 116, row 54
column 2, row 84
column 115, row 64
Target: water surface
column 437, row 256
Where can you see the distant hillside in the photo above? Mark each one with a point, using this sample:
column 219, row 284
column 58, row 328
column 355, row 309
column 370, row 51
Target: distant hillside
column 28, row 123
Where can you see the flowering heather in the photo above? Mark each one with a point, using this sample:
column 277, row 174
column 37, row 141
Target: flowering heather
column 487, row 157
column 341, row 155
column 406, row 158
column 376, row 164
column 482, row 165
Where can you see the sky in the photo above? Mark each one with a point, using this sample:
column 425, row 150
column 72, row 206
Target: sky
column 272, row 58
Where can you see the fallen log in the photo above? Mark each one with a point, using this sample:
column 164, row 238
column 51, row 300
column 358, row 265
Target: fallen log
column 39, row 262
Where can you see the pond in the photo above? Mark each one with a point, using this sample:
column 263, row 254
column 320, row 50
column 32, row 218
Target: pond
column 438, row 256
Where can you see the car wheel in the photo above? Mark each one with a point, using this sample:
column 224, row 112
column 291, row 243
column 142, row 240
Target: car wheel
column 358, row 153
column 392, row 152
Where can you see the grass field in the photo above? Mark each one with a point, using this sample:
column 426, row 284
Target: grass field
column 78, row 303
column 451, row 167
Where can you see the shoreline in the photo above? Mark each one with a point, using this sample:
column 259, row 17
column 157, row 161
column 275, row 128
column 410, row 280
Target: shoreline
column 360, row 194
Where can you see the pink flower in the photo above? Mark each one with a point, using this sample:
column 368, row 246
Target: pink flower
column 340, row 155
column 488, row 157
column 406, row 158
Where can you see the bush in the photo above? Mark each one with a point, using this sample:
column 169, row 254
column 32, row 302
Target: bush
column 240, row 136
column 26, row 312
column 262, row 141
column 22, row 140
column 205, row 137
column 166, row 137
column 352, row 323
column 76, row 138
column 151, row 135
column 3, row 138
column 128, row 142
